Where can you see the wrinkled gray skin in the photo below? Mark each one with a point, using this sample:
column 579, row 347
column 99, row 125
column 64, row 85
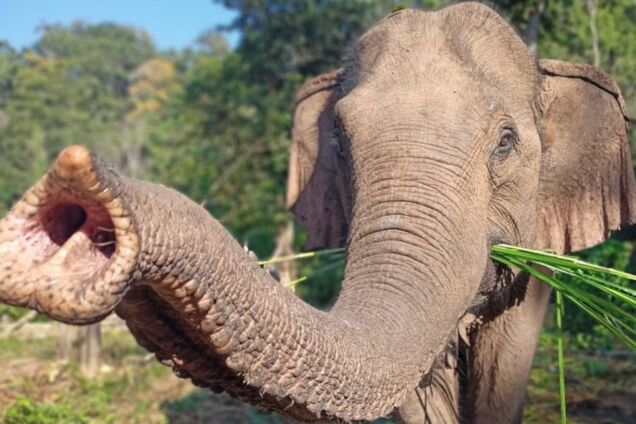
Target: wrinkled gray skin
column 439, row 138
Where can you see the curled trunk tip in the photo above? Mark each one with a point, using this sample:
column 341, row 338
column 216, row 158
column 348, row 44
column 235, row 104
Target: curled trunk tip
column 68, row 248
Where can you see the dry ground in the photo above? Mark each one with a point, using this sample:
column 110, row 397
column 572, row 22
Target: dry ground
column 133, row 388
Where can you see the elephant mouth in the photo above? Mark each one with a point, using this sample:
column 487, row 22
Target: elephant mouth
column 495, row 281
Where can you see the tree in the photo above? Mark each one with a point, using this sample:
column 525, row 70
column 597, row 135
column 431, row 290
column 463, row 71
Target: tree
column 40, row 115
column 70, row 88
column 151, row 85
column 107, row 52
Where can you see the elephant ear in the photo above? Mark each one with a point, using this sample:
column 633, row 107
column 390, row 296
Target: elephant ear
column 316, row 184
column 587, row 181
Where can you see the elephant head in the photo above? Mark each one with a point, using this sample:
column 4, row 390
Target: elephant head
column 439, row 138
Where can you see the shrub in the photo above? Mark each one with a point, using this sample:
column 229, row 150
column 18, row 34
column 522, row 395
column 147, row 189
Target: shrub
column 25, row 411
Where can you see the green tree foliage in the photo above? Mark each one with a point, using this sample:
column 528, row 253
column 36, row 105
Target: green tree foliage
column 104, row 52
column 238, row 107
column 303, row 37
column 40, row 115
column 215, row 122
column 71, row 87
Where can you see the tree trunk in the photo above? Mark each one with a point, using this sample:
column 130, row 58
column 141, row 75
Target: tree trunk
column 83, row 345
column 592, row 9
column 286, row 271
column 133, row 138
column 90, row 350
column 67, row 342
column 532, row 32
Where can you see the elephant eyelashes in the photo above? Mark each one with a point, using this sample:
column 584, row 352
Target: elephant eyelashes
column 507, row 141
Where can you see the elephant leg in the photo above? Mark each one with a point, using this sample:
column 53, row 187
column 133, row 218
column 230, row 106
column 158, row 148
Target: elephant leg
column 436, row 402
column 501, row 354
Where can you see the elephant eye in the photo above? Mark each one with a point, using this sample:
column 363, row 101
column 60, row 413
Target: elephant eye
column 507, row 140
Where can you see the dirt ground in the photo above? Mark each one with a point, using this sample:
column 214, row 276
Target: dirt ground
column 133, row 388
column 600, row 388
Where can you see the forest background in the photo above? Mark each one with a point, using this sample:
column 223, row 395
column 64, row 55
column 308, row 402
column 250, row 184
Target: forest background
column 214, row 122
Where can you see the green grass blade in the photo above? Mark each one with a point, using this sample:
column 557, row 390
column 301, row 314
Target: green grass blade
column 606, row 316
column 575, row 297
column 319, row 271
column 627, row 290
column 603, row 285
column 605, row 312
column 304, row 255
column 554, row 259
column 292, row 283
column 559, row 325
column 611, row 327
column 604, row 304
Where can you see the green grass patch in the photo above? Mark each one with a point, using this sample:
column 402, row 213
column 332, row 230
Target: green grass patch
column 12, row 347
column 26, row 411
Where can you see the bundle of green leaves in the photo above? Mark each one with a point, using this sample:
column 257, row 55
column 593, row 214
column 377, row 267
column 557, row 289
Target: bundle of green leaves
column 588, row 287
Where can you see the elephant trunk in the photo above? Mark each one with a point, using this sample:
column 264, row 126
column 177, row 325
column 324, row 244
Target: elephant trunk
column 86, row 240
column 69, row 247
column 417, row 247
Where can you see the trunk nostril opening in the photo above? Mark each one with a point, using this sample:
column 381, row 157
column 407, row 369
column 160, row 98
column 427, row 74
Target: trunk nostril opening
column 62, row 220
column 62, row 217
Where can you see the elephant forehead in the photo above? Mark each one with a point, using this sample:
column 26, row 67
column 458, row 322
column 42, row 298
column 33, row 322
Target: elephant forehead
column 454, row 109
column 469, row 39
column 408, row 107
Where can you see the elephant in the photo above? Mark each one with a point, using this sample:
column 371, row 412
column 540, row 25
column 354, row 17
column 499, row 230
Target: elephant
column 440, row 137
